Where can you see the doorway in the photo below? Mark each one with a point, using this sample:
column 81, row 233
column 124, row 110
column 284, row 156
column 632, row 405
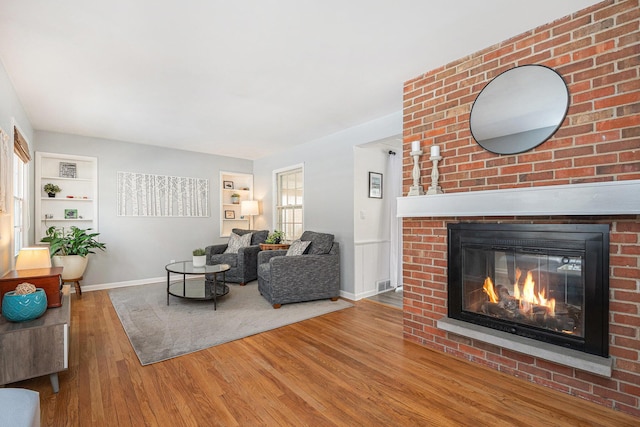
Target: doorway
column 377, row 229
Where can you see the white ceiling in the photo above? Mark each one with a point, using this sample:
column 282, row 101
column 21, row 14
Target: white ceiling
column 242, row 78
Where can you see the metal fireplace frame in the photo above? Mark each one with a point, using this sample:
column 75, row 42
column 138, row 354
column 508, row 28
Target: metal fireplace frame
column 593, row 239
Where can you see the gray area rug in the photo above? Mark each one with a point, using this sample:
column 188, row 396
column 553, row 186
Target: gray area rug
column 159, row 332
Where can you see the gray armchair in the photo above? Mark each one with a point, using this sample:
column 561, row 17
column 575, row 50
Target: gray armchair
column 244, row 264
column 314, row 275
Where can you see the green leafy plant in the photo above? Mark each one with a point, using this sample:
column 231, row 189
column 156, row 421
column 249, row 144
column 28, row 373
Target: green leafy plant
column 75, row 241
column 51, row 188
column 199, row 252
column 275, row 237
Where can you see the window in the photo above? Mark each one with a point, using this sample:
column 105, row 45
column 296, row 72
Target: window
column 289, row 201
column 18, row 203
column 21, row 158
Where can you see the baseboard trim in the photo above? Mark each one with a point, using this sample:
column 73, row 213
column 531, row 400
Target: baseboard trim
column 113, row 285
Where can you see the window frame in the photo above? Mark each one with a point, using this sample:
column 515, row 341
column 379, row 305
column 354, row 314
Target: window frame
column 19, row 186
column 293, row 229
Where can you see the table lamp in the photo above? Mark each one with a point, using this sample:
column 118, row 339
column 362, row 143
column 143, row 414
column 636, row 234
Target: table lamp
column 249, row 208
column 34, row 257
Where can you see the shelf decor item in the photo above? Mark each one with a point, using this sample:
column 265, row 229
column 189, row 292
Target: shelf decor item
column 416, row 189
column 235, row 198
column 71, row 214
column 25, row 303
column 67, row 170
column 434, row 188
column 51, row 189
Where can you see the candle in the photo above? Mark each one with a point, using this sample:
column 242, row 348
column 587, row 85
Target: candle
column 415, row 146
column 435, row 151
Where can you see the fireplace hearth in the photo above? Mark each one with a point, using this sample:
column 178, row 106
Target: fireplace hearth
column 547, row 282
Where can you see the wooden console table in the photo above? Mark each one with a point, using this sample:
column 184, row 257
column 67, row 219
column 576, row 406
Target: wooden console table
column 36, row 347
column 274, row 246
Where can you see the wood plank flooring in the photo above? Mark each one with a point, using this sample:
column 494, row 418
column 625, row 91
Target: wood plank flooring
column 390, row 297
column 348, row 368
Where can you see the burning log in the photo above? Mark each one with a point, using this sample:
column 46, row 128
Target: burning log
column 506, row 300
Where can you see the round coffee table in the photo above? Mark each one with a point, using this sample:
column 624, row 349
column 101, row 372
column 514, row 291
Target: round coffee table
column 206, row 290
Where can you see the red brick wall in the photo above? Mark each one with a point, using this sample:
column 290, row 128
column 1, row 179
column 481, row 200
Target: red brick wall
column 597, row 51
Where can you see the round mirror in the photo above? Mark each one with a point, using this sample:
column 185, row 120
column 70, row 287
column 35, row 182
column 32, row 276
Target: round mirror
column 519, row 109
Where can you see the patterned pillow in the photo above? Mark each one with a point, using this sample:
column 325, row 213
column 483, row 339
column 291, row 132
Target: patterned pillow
column 297, row 247
column 236, row 242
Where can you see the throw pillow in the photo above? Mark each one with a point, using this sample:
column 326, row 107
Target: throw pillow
column 321, row 243
column 236, row 242
column 297, row 247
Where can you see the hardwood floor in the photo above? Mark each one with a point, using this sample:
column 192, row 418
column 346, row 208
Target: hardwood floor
column 390, row 297
column 346, row 368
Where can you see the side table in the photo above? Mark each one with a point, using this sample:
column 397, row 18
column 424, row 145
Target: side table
column 274, row 246
column 36, row 347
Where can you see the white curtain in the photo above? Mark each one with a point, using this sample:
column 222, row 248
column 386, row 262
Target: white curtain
column 394, row 190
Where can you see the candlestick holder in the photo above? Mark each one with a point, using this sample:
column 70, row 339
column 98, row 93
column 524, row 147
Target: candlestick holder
column 434, row 188
column 416, row 189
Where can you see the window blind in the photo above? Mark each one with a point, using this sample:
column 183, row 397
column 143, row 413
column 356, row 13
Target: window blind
column 20, row 146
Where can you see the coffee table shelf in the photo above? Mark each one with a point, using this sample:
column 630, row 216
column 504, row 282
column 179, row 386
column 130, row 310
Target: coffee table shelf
column 210, row 288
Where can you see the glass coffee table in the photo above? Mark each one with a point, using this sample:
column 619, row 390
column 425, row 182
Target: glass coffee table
column 210, row 288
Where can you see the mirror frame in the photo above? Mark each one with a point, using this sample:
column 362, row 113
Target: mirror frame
column 524, row 101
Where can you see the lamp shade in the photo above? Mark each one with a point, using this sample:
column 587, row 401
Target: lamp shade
column 37, row 257
column 249, row 208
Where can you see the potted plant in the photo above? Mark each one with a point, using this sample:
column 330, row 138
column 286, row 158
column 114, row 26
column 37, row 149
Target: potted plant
column 235, row 198
column 199, row 257
column 69, row 249
column 51, row 189
column 275, row 238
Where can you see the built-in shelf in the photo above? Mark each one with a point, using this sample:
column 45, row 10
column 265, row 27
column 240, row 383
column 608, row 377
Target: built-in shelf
column 66, row 199
column 598, row 198
column 80, row 180
column 234, row 183
column 68, row 220
column 59, row 178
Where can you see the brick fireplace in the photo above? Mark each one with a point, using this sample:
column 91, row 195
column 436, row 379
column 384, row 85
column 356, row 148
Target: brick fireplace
column 596, row 50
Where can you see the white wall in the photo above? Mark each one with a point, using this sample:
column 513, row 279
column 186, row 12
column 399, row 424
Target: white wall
column 371, row 220
column 329, row 185
column 11, row 112
column 138, row 248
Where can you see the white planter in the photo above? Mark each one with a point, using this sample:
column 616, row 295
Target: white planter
column 199, row 261
column 73, row 265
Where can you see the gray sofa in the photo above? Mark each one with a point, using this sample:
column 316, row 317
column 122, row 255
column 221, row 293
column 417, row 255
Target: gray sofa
column 314, row 275
column 244, row 264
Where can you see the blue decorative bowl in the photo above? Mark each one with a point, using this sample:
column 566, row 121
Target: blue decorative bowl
column 20, row 308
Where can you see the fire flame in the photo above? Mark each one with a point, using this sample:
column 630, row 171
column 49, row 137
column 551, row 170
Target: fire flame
column 489, row 290
column 527, row 298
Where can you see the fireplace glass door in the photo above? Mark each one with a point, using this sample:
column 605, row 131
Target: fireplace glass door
column 548, row 282
column 540, row 288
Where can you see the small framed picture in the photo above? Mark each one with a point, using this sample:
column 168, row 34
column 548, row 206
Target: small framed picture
column 67, row 170
column 71, row 214
column 229, row 215
column 375, row 185
column 227, row 185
